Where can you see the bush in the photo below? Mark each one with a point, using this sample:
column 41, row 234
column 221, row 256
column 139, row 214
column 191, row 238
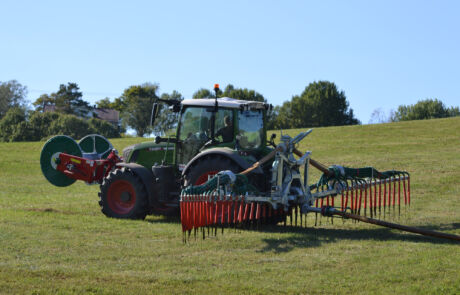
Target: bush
column 40, row 124
column 15, row 126
column 22, row 132
column 104, row 128
column 71, row 126
column 425, row 109
column 8, row 124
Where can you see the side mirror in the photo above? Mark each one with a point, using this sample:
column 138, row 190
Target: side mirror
column 154, row 114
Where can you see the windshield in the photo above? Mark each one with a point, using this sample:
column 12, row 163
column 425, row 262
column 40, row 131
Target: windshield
column 251, row 129
column 195, row 124
column 195, row 128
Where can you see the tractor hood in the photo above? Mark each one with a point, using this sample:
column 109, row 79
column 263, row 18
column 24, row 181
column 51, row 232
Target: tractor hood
column 149, row 153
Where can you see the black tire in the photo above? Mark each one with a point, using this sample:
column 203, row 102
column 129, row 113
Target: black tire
column 209, row 165
column 123, row 195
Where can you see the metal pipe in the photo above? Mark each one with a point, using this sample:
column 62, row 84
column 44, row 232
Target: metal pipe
column 315, row 164
column 425, row 232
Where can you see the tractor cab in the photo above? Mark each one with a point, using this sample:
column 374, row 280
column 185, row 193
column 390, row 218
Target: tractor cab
column 219, row 123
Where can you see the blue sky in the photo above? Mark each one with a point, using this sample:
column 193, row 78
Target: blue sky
column 380, row 53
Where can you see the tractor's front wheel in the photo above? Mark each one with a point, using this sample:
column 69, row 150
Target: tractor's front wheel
column 123, row 195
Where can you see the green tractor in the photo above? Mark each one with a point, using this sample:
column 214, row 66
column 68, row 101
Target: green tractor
column 212, row 135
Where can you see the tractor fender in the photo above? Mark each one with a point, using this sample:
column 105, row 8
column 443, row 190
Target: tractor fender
column 146, row 176
column 222, row 152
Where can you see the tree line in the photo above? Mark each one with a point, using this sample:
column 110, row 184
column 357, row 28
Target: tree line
column 321, row 103
column 72, row 115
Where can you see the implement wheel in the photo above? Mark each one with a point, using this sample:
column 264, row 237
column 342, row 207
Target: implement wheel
column 123, row 195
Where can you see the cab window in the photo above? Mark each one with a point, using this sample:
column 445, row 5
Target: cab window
column 195, row 130
column 251, row 128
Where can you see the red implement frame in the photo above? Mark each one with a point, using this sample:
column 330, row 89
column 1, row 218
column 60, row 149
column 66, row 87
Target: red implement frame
column 86, row 169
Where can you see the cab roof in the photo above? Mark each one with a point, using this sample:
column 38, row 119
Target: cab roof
column 225, row 102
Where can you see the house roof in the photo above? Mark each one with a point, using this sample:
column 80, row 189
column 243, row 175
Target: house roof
column 49, row 108
column 108, row 114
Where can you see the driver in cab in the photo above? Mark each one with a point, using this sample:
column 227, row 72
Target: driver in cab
column 227, row 131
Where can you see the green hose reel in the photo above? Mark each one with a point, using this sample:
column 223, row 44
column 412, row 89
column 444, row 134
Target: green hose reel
column 94, row 147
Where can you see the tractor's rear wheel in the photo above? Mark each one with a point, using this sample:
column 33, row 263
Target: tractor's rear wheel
column 123, row 195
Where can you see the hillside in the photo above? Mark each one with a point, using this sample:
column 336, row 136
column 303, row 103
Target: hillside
column 55, row 240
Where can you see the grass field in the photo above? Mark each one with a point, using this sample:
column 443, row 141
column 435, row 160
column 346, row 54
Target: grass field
column 56, row 241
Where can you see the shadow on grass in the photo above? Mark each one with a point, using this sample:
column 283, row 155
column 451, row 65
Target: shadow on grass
column 442, row 227
column 163, row 219
column 315, row 236
column 312, row 236
column 297, row 237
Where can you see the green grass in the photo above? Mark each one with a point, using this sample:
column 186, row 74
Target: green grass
column 56, row 241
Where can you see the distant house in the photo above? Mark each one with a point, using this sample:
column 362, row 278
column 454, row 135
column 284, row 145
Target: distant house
column 49, row 108
column 109, row 115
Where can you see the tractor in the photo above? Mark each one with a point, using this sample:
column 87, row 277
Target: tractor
column 212, row 135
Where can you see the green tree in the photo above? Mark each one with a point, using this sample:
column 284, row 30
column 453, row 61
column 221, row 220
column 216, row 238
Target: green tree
column 231, row 91
column 104, row 103
column 118, row 104
column 12, row 95
column 242, row 94
column 68, row 100
column 453, row 112
column 320, row 104
column 137, row 104
column 425, row 109
column 203, row 93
